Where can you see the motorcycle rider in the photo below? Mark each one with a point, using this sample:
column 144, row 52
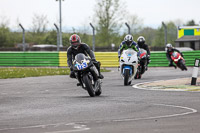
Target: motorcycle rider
column 141, row 44
column 76, row 48
column 170, row 49
column 128, row 43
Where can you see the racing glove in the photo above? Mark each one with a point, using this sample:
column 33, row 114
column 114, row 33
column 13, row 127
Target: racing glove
column 71, row 68
column 93, row 60
column 118, row 58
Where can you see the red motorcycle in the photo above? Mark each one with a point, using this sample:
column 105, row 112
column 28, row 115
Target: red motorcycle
column 142, row 66
column 178, row 60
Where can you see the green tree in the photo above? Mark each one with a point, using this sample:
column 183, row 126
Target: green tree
column 171, row 32
column 5, row 33
column 66, row 37
column 160, row 34
column 135, row 23
column 149, row 34
column 51, row 37
column 191, row 23
column 4, row 36
column 38, row 29
column 39, row 23
column 108, row 16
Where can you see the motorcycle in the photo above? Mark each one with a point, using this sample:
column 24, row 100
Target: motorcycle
column 128, row 65
column 87, row 74
column 179, row 60
column 142, row 66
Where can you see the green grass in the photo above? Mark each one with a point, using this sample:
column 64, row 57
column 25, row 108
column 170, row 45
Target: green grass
column 105, row 70
column 15, row 72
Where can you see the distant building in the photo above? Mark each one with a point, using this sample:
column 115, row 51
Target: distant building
column 188, row 36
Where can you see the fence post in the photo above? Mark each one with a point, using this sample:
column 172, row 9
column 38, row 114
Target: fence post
column 129, row 29
column 195, row 72
column 23, row 42
column 93, row 38
column 165, row 27
column 58, row 38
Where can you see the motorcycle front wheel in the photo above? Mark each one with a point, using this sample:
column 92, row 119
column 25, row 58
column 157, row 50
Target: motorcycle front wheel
column 98, row 92
column 126, row 76
column 89, row 86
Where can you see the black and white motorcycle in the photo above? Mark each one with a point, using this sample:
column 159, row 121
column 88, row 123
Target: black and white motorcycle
column 87, row 74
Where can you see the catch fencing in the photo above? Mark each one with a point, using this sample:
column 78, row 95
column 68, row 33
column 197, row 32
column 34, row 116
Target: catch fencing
column 59, row 59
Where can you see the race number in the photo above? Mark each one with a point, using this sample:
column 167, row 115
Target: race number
column 82, row 66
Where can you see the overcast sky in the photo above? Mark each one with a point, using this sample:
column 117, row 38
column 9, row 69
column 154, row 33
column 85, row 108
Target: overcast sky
column 77, row 13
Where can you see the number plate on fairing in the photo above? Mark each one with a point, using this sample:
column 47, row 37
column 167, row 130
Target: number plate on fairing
column 81, row 66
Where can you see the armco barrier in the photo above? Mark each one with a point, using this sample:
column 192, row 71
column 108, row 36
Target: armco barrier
column 29, row 59
column 107, row 59
column 158, row 59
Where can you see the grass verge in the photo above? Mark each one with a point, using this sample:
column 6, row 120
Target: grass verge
column 15, row 72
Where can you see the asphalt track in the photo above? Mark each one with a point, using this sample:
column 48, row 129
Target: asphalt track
column 54, row 104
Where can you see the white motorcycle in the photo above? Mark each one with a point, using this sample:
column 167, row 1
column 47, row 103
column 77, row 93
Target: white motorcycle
column 128, row 65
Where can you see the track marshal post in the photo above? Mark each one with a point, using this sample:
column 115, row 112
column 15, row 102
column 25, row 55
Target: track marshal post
column 195, row 72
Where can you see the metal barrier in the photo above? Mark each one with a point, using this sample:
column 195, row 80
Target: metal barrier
column 29, row 59
column 107, row 59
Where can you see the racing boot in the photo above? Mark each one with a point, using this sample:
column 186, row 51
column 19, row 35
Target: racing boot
column 101, row 76
column 79, row 81
column 171, row 64
column 146, row 68
column 175, row 66
column 78, row 84
column 97, row 65
column 72, row 74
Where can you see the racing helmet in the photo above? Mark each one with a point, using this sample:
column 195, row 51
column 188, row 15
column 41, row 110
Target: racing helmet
column 141, row 40
column 169, row 47
column 128, row 39
column 75, row 41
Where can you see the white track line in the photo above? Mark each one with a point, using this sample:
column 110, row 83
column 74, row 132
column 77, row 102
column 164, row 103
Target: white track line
column 191, row 111
column 82, row 127
column 141, row 88
column 76, row 127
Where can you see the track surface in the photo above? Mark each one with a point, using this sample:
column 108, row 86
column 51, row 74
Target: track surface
column 54, row 104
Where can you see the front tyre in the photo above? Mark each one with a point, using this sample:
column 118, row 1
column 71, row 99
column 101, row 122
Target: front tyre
column 98, row 87
column 89, row 86
column 126, row 76
column 98, row 92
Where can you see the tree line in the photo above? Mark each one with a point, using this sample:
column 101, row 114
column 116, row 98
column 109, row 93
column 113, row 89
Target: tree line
column 109, row 20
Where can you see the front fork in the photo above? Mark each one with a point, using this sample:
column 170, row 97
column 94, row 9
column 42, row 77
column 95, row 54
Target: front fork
column 127, row 67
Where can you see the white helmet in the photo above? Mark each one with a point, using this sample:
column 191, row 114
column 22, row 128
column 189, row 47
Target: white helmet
column 169, row 45
column 128, row 39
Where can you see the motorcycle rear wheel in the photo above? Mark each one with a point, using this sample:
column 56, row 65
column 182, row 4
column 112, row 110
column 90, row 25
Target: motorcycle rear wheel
column 89, row 86
column 182, row 65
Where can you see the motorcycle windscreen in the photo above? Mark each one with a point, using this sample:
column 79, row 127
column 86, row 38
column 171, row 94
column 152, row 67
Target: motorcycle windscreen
column 80, row 57
column 174, row 55
column 143, row 53
column 130, row 52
